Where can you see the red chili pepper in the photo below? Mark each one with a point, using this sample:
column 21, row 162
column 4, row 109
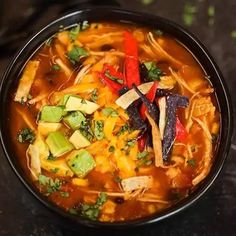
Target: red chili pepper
column 131, row 60
column 151, row 96
column 181, row 132
column 112, row 78
column 141, row 143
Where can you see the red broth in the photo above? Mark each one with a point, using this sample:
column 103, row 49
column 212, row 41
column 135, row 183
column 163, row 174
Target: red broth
column 101, row 170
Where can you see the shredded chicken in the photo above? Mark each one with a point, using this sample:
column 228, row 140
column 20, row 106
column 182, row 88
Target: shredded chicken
column 203, row 106
column 38, row 98
column 206, row 156
column 204, row 127
column 26, row 119
column 136, row 183
column 160, row 51
column 148, row 50
column 64, row 67
column 102, row 54
column 187, row 110
column 181, row 81
column 85, row 70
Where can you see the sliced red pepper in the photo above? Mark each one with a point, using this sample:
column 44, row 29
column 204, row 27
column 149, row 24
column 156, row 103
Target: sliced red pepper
column 112, row 78
column 131, row 60
column 181, row 132
column 141, row 143
column 150, row 96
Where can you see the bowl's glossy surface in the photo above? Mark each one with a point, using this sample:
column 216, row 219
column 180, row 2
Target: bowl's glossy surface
column 176, row 31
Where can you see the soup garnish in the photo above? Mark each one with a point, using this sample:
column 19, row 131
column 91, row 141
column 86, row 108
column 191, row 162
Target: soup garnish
column 114, row 122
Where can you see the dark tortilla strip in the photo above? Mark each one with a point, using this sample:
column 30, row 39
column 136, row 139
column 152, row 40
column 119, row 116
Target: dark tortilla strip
column 172, row 103
column 151, row 107
column 183, row 101
column 133, row 112
column 169, row 134
column 135, row 119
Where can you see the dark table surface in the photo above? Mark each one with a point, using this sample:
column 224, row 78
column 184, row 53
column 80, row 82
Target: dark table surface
column 215, row 212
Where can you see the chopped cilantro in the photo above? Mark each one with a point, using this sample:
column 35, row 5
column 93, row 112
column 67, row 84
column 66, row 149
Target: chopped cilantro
column 44, row 180
column 191, row 162
column 143, row 159
column 111, row 77
column 94, row 95
column 123, row 129
column 92, row 211
column 142, row 154
column 64, row 194
column 98, row 129
column 29, row 96
column 51, row 157
column 26, row 135
column 86, row 131
column 158, row 32
column 73, row 211
column 22, row 101
column 74, row 32
column 52, row 185
column 118, row 179
column 76, row 53
column 48, row 42
column 56, row 67
column 131, row 142
column 85, row 25
column 154, row 72
column 111, row 149
column 55, row 170
column 83, row 101
column 109, row 111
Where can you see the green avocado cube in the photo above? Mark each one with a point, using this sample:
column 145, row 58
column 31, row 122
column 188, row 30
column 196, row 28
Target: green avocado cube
column 52, row 113
column 74, row 119
column 58, row 144
column 81, row 162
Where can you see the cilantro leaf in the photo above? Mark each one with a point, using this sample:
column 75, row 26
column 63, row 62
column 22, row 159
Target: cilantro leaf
column 154, row 73
column 74, row 32
column 191, row 162
column 92, row 211
column 76, row 53
column 56, row 67
column 98, row 129
column 109, row 111
column 26, row 135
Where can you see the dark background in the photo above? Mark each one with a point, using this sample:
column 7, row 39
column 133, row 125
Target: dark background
column 215, row 212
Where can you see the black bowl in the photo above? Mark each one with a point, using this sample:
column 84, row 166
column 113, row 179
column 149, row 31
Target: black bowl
column 201, row 54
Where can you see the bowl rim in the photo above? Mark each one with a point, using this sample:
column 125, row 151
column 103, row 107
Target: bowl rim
column 185, row 203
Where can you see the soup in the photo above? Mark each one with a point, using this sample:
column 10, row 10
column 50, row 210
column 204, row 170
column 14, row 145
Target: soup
column 114, row 122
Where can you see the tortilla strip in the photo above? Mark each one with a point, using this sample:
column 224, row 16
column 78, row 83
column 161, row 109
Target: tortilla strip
column 157, row 145
column 26, row 81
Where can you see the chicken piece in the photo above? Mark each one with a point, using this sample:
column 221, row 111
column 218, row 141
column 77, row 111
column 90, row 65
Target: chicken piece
column 136, row 183
column 203, row 105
